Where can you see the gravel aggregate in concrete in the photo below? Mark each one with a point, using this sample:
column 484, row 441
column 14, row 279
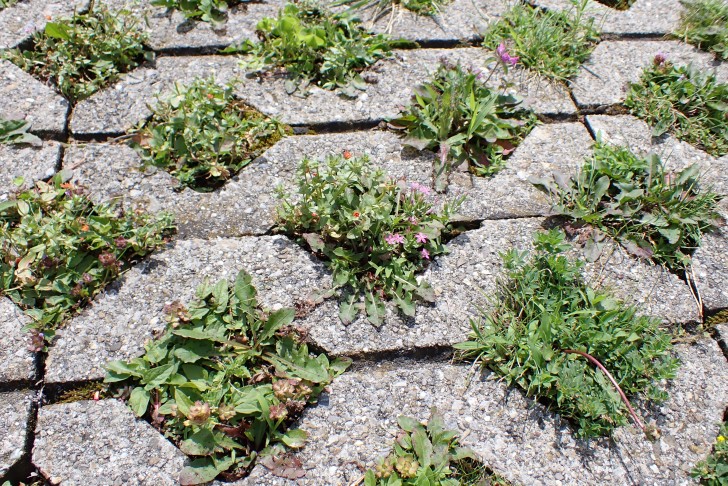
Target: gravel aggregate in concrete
column 26, row 98
column 605, row 77
column 21, row 20
column 129, row 311
column 14, row 415
column 121, row 106
column 356, row 423
column 710, row 265
column 17, row 360
column 102, row 443
column 558, row 147
column 30, row 163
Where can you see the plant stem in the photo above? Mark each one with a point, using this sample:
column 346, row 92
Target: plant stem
column 614, row 382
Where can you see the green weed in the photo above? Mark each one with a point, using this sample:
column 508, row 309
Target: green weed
column 84, row 53
column 226, row 380
column 314, row 46
column 553, row 44
column 546, row 315
column 714, row 470
column 464, row 120
column 704, row 23
column 375, row 233
column 59, row 250
column 7, row 3
column 618, row 4
column 683, row 101
column 654, row 213
column 214, row 11
column 203, row 136
column 17, row 132
column 384, row 7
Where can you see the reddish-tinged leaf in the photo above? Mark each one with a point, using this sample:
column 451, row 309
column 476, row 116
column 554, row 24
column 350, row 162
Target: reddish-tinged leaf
column 285, row 466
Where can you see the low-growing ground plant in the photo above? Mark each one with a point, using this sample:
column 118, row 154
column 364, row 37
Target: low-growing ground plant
column 312, row 45
column 17, row 132
column 428, row 453
column 226, row 380
column 375, row 233
column 553, row 44
column 203, row 135
column 618, row 4
column 84, row 53
column 654, row 213
column 549, row 332
column 7, row 3
column 465, row 121
column 714, row 470
column 59, row 250
column 386, row 7
column 214, row 11
column 704, row 23
column 681, row 100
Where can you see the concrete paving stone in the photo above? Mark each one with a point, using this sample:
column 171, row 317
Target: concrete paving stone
column 129, row 311
column 356, row 422
column 605, row 77
column 710, row 265
column 464, row 281
column 391, row 88
column 26, row 98
column 102, row 443
column 21, row 20
column 644, row 17
column 459, row 20
column 634, row 133
column 30, row 163
column 558, row 147
column 14, row 415
column 169, row 30
column 17, row 360
column 121, row 106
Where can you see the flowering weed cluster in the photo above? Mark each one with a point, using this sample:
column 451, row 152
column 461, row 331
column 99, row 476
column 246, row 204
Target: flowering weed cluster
column 465, row 121
column 375, row 233
column 203, row 135
column 704, row 23
column 225, row 381
column 681, row 100
column 59, row 250
column 714, row 470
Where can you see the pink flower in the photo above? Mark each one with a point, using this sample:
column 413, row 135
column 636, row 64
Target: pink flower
column 413, row 220
column 394, row 239
column 425, row 254
column 422, row 189
column 504, row 56
column 421, row 237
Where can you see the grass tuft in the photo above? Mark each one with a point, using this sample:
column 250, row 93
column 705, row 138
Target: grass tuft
column 704, row 23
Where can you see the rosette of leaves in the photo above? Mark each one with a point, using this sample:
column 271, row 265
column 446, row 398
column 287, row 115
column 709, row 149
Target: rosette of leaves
column 315, row 46
column 203, row 135
column 466, row 121
column 545, row 315
column 429, row 453
column 714, row 470
column 82, row 54
column 17, row 132
column 59, row 250
column 689, row 104
column 552, row 43
column 653, row 212
column 704, row 23
column 226, row 380
column 214, row 11
column 374, row 233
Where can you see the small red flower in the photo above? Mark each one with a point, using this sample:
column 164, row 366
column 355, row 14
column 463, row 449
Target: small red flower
column 347, row 154
column 356, row 214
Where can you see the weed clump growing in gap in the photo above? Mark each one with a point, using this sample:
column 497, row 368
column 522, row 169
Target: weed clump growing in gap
column 689, row 104
column 704, row 23
column 654, row 213
column 214, row 11
column 203, row 135
column 714, row 470
column 59, row 250
column 547, row 330
column 385, row 7
column 375, row 233
column 314, row 46
column 552, row 44
column 465, row 121
column 226, row 381
column 84, row 53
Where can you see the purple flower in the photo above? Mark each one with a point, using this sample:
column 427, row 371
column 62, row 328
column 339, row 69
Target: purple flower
column 421, row 237
column 422, row 189
column 394, row 239
column 503, row 55
column 413, row 220
column 660, row 59
column 425, row 254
